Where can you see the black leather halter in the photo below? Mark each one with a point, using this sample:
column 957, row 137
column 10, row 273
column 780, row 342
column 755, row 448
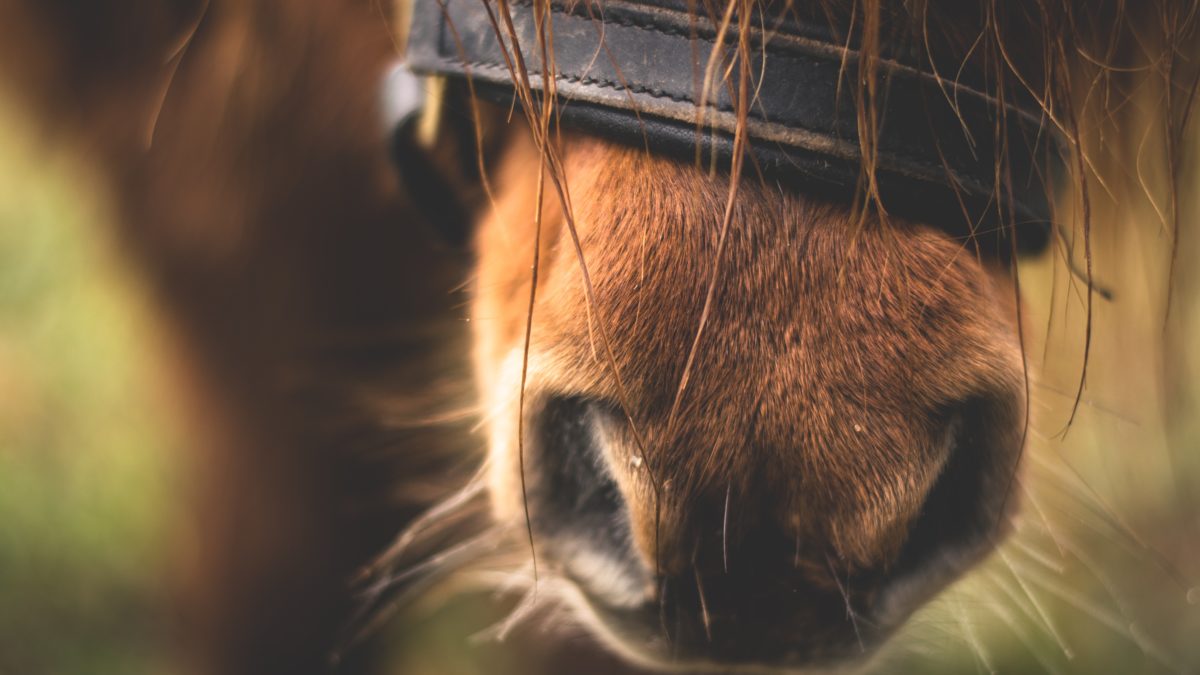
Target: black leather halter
column 632, row 72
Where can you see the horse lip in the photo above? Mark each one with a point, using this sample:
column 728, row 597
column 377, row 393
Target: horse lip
column 640, row 633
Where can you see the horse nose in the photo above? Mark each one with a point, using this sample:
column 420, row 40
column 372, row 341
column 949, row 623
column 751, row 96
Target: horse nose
column 728, row 573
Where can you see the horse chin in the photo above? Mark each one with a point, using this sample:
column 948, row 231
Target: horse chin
column 641, row 635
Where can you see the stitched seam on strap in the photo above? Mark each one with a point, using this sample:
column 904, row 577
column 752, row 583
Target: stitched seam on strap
column 602, row 83
column 1026, row 117
column 628, row 22
column 897, row 158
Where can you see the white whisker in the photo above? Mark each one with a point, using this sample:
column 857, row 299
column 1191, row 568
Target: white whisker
column 972, row 640
column 500, row 631
column 703, row 605
column 1037, row 607
column 1105, row 618
column 1014, row 625
column 725, row 529
column 850, row 613
column 1027, row 548
column 474, row 489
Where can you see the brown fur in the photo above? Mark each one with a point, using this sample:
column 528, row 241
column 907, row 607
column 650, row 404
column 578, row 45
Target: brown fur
column 818, row 400
column 831, row 345
column 830, row 355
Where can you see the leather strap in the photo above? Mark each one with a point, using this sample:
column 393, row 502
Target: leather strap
column 632, row 72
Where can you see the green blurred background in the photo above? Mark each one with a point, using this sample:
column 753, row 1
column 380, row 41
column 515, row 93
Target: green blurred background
column 1101, row 577
column 86, row 456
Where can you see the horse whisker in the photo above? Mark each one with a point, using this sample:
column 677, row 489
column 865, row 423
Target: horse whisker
column 850, row 613
column 461, row 499
column 707, row 620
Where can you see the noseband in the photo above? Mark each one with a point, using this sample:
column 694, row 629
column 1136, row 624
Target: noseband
column 947, row 152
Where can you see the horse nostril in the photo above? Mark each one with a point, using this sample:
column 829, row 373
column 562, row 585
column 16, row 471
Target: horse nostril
column 576, row 507
column 966, row 507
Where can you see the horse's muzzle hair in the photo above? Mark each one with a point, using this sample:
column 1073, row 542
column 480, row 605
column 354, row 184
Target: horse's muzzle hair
column 839, row 444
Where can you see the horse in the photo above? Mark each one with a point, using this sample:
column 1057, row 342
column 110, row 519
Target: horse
column 831, row 390
column 736, row 415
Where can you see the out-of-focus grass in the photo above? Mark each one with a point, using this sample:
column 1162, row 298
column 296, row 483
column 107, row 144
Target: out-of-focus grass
column 85, row 482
